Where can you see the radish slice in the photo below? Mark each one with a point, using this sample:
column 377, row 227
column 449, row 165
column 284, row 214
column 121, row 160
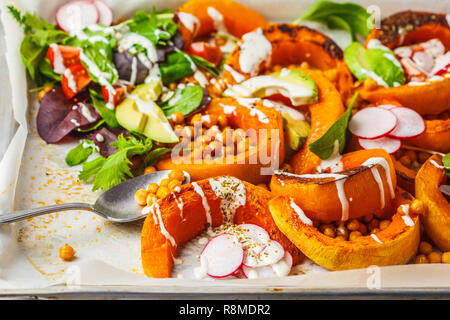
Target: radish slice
column 279, row 269
column 253, row 238
column 410, row 123
column 272, row 253
column 391, row 145
column 105, row 12
column 76, row 15
column 372, row 123
column 387, row 106
column 222, row 256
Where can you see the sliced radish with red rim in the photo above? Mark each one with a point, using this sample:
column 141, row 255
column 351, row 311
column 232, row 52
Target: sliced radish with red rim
column 272, row 253
column 372, row 123
column 410, row 123
column 76, row 15
column 390, row 145
column 222, row 256
column 105, row 12
column 386, row 106
column 279, row 269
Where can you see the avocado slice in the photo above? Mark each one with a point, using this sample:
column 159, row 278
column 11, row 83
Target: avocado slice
column 293, row 84
column 139, row 112
column 296, row 128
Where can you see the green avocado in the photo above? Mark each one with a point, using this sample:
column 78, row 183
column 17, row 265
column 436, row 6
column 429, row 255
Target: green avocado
column 139, row 112
column 296, row 129
column 293, row 84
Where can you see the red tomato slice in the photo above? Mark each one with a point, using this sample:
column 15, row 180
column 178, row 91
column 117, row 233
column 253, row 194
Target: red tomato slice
column 206, row 51
column 65, row 55
column 74, row 79
column 117, row 97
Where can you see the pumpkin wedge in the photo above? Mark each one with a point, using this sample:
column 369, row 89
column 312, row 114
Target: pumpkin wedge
column 252, row 116
column 181, row 216
column 324, row 114
column 397, row 244
column 292, row 44
column 362, row 187
column 405, row 176
column 199, row 18
column 436, row 136
column 436, row 219
column 406, row 28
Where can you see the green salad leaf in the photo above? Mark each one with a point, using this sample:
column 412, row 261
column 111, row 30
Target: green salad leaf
column 153, row 156
column 324, row 146
column 184, row 100
column 345, row 16
column 377, row 62
column 80, row 153
column 206, row 65
column 446, row 163
column 177, row 66
column 108, row 115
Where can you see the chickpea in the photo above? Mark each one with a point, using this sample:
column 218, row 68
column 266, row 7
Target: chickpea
column 362, row 228
column 425, row 248
column 423, row 156
column 434, row 257
column 329, row 232
column 375, row 223
column 446, row 257
column 162, row 192
column 412, row 155
column 164, row 182
column 177, row 117
column 375, row 230
column 141, row 197
column 405, row 161
column 42, row 93
column 384, row 224
column 196, row 118
column 322, row 227
column 287, row 167
column 370, row 84
column 342, row 231
column 421, row 259
column 353, row 225
column 149, row 169
column 177, row 174
column 172, row 86
column 354, row 235
column 209, row 120
column 304, row 65
column 222, row 120
column 66, row 252
column 174, row 183
column 368, row 218
column 151, row 198
column 417, row 207
column 152, row 187
column 341, row 238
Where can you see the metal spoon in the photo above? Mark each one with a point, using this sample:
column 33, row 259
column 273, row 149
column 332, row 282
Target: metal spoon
column 117, row 204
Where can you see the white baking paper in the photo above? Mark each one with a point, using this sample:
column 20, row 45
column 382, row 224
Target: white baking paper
column 34, row 174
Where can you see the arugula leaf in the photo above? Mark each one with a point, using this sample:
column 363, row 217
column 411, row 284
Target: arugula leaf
column 206, row 65
column 324, row 146
column 107, row 114
column 80, row 153
column 177, row 66
column 347, row 16
column 46, row 69
column 185, row 100
column 116, row 168
column 153, row 156
column 446, row 163
column 96, row 126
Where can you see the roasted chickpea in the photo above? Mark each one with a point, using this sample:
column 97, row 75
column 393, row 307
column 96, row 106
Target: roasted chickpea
column 197, row 118
column 341, row 238
column 446, row 257
column 412, row 155
column 375, row 230
column 42, row 93
column 353, row 225
column 362, row 228
column 421, row 259
column 405, row 160
column 287, row 167
column 368, row 218
column 423, row 156
column 177, row 117
column 222, row 121
column 151, row 198
column 164, row 182
column 417, row 207
column 162, row 192
column 177, row 174
column 342, row 231
column 354, row 235
column 425, row 248
column 174, row 183
column 149, row 169
column 384, row 224
column 375, row 223
column 329, row 232
column 434, row 257
column 141, row 197
column 66, row 252
column 152, row 187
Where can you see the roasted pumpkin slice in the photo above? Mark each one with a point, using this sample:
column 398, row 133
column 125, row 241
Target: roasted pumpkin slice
column 180, row 216
column 436, row 218
column 436, row 136
column 405, row 176
column 199, row 18
column 263, row 148
column 365, row 185
column 286, row 44
column 397, row 244
column 408, row 28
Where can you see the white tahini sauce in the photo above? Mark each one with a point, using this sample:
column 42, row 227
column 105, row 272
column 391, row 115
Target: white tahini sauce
column 334, row 163
column 189, row 21
column 406, row 218
column 232, row 193
column 58, row 64
column 374, row 236
column 205, row 204
column 301, row 213
column 255, row 49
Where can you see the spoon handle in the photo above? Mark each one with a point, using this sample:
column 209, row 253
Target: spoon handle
column 24, row 214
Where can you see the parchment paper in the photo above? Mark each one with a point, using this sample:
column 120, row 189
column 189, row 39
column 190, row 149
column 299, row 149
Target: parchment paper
column 33, row 174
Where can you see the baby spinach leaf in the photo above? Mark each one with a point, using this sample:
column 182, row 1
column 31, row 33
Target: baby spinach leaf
column 324, row 146
column 346, row 16
column 177, row 66
column 80, row 153
column 184, row 100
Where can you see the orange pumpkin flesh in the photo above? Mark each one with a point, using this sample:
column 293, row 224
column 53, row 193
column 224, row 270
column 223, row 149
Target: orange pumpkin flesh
column 407, row 28
column 399, row 241
column 293, row 44
column 436, row 219
column 237, row 18
column 242, row 168
column 158, row 252
column 319, row 197
column 324, row 114
column 436, row 136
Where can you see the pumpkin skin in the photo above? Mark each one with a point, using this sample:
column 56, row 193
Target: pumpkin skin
column 158, row 252
column 422, row 26
column 436, row 219
column 324, row 114
column 319, row 197
column 240, row 168
column 405, row 176
column 237, row 18
column 294, row 44
column 399, row 242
